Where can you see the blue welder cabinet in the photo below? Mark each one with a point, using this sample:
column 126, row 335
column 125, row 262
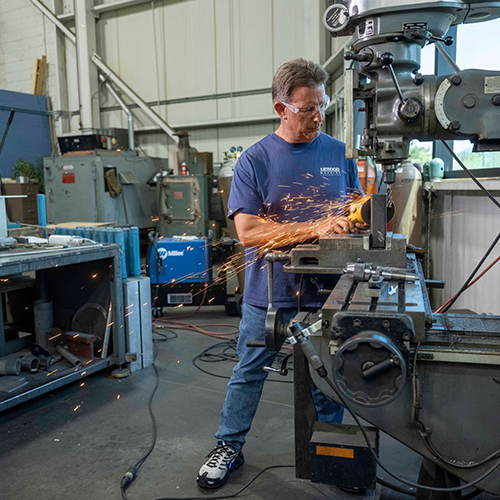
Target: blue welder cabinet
column 182, row 261
column 180, row 269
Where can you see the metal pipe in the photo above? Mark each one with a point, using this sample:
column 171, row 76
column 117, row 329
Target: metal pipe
column 10, row 366
column 126, row 109
column 88, row 82
column 127, row 90
column 68, row 356
column 449, row 60
column 40, row 6
column 29, row 362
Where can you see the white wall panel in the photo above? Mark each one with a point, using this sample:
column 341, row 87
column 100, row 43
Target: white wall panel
column 289, row 26
column 192, row 112
column 223, row 45
column 463, row 226
column 189, row 48
column 134, row 60
column 253, row 43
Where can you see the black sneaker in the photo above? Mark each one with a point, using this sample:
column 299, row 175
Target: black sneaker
column 222, row 460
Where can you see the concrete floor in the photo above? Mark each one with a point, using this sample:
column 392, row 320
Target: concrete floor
column 50, row 451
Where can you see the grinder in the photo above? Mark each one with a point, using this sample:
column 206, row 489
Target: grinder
column 360, row 212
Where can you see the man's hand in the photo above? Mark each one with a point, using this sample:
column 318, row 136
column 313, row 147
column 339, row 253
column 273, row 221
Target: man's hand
column 362, row 227
column 336, row 225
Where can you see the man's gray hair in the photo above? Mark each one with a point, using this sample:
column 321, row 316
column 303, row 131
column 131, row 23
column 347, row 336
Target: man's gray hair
column 294, row 74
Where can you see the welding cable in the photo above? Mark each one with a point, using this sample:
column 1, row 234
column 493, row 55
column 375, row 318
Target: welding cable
column 450, row 303
column 400, row 479
column 471, row 175
column 178, row 325
column 234, row 495
column 207, row 356
column 165, row 337
column 131, row 474
column 455, row 297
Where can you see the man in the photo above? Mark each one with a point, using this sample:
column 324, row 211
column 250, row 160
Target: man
column 288, row 188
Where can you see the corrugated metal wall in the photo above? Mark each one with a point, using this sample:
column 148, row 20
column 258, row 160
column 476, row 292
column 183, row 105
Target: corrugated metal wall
column 463, row 226
column 174, row 50
column 196, row 48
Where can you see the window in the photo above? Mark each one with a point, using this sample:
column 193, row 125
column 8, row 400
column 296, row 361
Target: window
column 473, row 54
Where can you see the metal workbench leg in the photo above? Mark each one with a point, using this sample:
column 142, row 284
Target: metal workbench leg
column 118, row 318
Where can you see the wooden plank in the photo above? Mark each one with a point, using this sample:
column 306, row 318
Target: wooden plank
column 34, row 76
column 40, row 82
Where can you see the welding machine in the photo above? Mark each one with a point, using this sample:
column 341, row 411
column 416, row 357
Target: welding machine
column 181, row 273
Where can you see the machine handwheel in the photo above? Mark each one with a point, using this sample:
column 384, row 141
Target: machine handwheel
column 275, row 329
column 369, row 369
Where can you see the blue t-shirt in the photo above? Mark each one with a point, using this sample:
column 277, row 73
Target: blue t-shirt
column 289, row 183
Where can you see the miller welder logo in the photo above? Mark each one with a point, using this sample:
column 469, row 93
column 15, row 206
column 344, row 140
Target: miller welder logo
column 164, row 253
column 329, row 171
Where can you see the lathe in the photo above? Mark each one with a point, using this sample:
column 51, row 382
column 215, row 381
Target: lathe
column 431, row 381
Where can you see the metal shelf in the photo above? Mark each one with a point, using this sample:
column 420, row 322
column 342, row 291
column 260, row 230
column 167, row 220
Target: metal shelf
column 21, row 260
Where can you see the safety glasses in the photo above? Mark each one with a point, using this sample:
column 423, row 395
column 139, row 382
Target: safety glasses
column 310, row 110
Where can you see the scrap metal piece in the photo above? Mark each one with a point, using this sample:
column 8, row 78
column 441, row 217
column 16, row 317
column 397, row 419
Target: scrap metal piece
column 91, row 319
column 68, row 356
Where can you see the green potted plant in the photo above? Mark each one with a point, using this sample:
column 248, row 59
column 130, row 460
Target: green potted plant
column 24, row 168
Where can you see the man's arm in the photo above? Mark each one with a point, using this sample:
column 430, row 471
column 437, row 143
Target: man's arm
column 254, row 231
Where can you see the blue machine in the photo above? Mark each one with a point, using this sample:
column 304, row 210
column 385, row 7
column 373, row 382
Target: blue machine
column 182, row 261
column 180, row 269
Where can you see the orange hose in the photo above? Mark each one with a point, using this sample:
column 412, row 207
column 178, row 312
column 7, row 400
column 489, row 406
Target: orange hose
column 180, row 325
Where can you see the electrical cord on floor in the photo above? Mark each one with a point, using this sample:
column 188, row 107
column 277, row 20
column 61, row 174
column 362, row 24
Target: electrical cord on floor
column 131, row 474
column 165, row 337
column 234, row 494
column 404, row 481
column 228, row 353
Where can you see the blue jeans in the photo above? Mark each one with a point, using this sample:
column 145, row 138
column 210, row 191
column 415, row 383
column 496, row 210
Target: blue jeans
column 246, row 384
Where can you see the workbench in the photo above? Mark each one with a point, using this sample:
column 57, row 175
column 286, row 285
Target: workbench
column 70, row 277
